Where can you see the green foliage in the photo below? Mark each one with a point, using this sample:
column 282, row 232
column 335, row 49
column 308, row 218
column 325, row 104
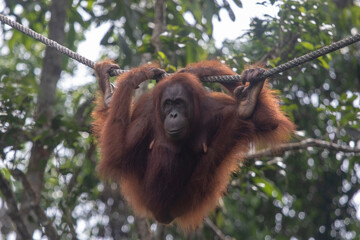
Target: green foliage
column 305, row 194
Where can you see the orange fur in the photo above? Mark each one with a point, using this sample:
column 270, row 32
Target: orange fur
column 169, row 181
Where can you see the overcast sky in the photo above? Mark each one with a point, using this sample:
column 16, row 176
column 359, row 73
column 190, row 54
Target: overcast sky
column 225, row 29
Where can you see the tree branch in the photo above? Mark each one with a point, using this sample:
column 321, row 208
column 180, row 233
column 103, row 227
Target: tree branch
column 160, row 11
column 12, row 209
column 212, row 225
column 69, row 222
column 142, row 228
column 35, row 204
column 50, row 74
column 310, row 142
column 159, row 21
column 81, row 116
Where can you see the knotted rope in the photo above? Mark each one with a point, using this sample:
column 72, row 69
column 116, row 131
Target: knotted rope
column 225, row 78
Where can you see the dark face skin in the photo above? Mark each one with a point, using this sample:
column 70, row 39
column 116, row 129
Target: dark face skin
column 175, row 107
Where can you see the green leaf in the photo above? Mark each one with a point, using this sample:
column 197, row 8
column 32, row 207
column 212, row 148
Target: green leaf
column 323, row 63
column 5, row 172
column 219, row 219
column 274, row 61
column 268, row 187
column 162, row 55
column 307, row 45
column 343, row 97
column 302, row 9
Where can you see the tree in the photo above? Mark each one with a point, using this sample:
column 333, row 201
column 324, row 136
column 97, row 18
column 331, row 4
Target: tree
column 48, row 181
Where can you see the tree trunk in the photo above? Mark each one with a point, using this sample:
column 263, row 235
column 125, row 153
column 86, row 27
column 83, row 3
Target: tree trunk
column 50, row 74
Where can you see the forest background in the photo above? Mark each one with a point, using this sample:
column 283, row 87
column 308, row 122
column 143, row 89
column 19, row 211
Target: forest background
column 49, row 188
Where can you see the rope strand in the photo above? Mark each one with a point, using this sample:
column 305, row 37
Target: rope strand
column 225, row 78
column 47, row 41
column 293, row 63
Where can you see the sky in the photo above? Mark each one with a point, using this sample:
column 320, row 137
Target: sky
column 224, row 29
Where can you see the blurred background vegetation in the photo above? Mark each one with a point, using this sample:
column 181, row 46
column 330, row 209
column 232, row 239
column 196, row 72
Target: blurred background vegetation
column 49, row 188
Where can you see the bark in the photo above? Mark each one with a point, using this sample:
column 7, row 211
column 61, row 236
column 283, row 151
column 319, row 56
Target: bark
column 50, row 75
column 51, row 70
column 217, row 230
column 12, row 209
column 303, row 145
column 44, row 221
column 159, row 21
column 143, row 229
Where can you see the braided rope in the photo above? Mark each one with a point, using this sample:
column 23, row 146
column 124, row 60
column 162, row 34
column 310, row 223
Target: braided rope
column 47, row 41
column 225, row 78
column 293, row 63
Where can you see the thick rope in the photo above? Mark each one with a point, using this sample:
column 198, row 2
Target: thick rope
column 49, row 42
column 293, row 63
column 225, row 78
